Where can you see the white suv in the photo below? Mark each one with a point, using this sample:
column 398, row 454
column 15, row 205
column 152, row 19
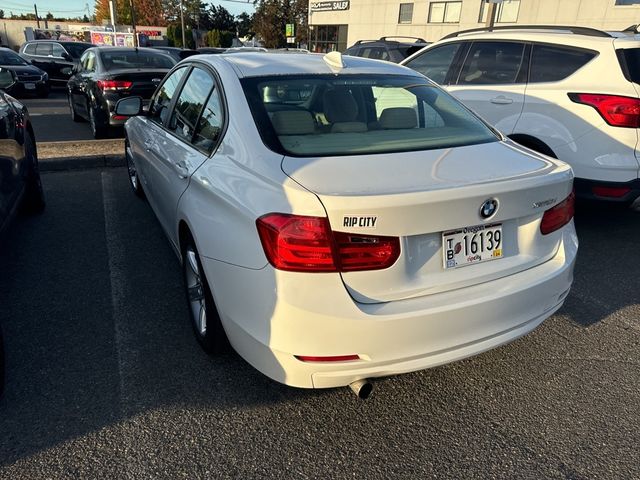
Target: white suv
column 567, row 92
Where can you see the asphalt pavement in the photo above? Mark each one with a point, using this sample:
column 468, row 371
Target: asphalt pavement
column 105, row 378
column 52, row 121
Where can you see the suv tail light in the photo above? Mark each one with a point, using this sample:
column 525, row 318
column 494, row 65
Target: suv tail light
column 558, row 216
column 114, row 84
column 616, row 110
column 306, row 244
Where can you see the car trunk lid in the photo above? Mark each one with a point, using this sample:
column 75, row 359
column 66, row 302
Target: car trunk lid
column 417, row 196
column 144, row 82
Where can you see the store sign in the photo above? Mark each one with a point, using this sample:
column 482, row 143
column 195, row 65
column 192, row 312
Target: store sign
column 329, row 6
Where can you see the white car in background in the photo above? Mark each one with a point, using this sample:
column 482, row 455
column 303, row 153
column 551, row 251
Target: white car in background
column 572, row 93
column 340, row 218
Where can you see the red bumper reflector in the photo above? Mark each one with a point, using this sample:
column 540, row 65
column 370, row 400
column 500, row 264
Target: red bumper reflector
column 611, row 192
column 119, row 117
column 336, row 358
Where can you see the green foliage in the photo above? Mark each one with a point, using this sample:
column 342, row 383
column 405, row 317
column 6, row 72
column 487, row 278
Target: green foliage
column 271, row 17
column 219, row 38
column 174, row 36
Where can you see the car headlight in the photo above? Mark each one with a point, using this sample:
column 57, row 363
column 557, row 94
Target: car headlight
column 45, row 76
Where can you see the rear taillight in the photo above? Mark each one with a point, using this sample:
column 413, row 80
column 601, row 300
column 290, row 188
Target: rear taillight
column 558, row 216
column 114, row 84
column 610, row 192
column 616, row 110
column 306, row 244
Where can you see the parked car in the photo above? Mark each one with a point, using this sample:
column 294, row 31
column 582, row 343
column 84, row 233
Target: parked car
column 178, row 53
column 54, row 57
column 386, row 49
column 568, row 92
column 339, row 218
column 211, row 50
column 29, row 79
column 19, row 175
column 107, row 74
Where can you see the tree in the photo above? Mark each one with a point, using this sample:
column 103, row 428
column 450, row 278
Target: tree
column 271, row 17
column 148, row 12
column 1, row 13
column 244, row 25
column 221, row 19
column 49, row 16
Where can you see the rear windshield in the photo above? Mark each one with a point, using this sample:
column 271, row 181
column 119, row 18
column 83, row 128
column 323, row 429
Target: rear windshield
column 76, row 49
column 630, row 62
column 315, row 115
column 117, row 59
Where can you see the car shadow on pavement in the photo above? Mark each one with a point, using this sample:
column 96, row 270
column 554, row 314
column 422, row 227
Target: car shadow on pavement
column 608, row 264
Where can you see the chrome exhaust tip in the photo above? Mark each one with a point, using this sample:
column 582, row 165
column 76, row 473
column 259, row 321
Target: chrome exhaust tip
column 362, row 388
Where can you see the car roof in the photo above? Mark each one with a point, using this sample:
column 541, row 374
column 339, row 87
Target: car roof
column 105, row 48
column 269, row 64
column 65, row 42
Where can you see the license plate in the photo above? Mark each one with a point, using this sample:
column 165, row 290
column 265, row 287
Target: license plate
column 30, row 86
column 471, row 245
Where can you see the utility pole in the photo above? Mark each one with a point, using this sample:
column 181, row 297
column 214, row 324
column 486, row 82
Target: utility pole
column 133, row 24
column 492, row 13
column 112, row 12
column 35, row 7
column 184, row 43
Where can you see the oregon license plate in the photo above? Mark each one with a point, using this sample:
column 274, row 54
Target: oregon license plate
column 471, row 245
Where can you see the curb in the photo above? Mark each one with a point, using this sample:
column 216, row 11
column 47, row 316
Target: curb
column 81, row 154
column 80, row 162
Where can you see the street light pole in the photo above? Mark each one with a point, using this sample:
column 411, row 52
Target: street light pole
column 184, row 43
column 133, row 24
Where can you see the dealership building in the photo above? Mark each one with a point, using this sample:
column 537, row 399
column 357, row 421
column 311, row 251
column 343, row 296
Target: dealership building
column 336, row 25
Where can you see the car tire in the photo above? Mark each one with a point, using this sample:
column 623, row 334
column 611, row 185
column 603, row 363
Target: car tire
column 132, row 171
column 33, row 201
column 98, row 131
column 74, row 115
column 44, row 93
column 205, row 319
column 1, row 365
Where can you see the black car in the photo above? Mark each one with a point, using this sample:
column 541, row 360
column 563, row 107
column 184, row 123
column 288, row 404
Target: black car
column 107, row 74
column 20, row 187
column 178, row 53
column 57, row 58
column 30, row 79
column 387, row 49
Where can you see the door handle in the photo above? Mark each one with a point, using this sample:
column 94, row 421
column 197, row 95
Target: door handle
column 501, row 100
column 148, row 144
column 182, row 169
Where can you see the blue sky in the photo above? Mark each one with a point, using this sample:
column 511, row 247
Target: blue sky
column 74, row 8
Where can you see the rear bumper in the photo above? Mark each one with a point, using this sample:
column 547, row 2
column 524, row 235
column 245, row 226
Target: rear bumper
column 297, row 314
column 611, row 191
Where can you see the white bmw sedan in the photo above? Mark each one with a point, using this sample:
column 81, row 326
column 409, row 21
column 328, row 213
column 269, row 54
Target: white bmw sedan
column 339, row 218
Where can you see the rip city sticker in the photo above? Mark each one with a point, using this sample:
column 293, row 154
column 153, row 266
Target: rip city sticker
column 359, row 221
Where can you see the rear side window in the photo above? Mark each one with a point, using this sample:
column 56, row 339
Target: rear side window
column 629, row 59
column 551, row 63
column 377, row 53
column 30, row 49
column 435, row 63
column 44, row 49
column 492, row 63
column 359, row 115
column 57, row 50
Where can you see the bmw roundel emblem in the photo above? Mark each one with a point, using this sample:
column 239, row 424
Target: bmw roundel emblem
column 488, row 208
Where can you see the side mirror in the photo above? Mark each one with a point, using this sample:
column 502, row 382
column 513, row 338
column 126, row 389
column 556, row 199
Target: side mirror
column 7, row 78
column 129, row 107
column 67, row 57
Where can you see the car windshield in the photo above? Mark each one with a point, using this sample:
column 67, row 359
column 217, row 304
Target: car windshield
column 117, row 59
column 76, row 49
column 11, row 58
column 313, row 115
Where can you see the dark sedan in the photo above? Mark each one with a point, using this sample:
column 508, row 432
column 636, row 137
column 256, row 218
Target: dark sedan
column 20, row 187
column 30, row 79
column 178, row 53
column 107, row 74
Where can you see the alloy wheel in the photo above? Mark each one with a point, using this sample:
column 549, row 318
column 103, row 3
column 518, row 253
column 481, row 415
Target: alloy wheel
column 195, row 291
